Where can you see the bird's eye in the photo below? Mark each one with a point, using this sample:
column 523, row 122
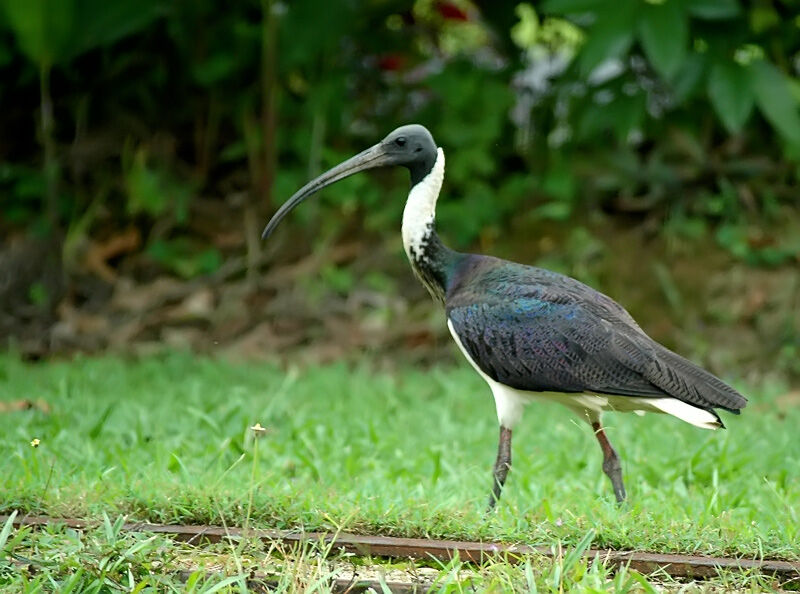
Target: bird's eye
column 400, row 141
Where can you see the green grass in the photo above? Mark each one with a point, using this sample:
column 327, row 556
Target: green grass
column 408, row 452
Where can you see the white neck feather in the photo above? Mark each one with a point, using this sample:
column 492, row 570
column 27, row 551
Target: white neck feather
column 420, row 209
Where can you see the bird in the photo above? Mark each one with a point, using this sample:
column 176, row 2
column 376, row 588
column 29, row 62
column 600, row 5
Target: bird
column 531, row 333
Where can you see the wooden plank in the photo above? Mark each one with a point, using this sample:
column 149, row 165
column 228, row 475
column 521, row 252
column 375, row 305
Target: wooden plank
column 676, row 565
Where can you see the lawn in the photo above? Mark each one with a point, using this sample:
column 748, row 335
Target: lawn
column 406, row 452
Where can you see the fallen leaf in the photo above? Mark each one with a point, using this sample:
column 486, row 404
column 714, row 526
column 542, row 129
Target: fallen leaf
column 24, row 404
column 100, row 252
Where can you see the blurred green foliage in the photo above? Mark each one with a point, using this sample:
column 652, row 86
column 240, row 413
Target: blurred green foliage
column 680, row 111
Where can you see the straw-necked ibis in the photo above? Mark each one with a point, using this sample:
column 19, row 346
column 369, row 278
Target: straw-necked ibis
column 529, row 332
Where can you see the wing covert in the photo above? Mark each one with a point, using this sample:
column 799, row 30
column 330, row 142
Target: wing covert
column 541, row 345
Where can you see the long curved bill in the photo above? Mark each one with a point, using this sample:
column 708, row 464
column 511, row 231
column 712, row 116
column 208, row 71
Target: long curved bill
column 369, row 159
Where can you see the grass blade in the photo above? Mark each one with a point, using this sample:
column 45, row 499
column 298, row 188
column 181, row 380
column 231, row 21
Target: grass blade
column 575, row 554
column 229, row 581
column 95, row 430
column 7, row 528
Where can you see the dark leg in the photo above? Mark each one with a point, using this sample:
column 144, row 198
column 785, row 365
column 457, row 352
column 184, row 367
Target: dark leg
column 501, row 466
column 611, row 463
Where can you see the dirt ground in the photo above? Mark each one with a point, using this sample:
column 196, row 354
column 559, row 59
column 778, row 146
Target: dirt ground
column 358, row 295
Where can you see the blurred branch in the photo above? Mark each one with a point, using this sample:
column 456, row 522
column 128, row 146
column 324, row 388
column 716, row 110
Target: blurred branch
column 269, row 44
column 51, row 167
column 262, row 154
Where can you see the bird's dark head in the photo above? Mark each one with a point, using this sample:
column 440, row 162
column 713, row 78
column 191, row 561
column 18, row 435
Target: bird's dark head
column 412, row 147
column 409, row 146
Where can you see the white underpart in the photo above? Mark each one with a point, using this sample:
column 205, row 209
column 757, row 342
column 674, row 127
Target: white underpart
column 420, row 208
column 510, row 401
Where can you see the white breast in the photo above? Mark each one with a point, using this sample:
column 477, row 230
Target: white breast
column 420, row 209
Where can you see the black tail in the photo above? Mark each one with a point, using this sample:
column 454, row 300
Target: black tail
column 686, row 381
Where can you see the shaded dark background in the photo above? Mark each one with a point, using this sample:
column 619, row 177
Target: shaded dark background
column 650, row 149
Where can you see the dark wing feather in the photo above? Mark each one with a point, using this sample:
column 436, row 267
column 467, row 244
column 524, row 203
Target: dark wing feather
column 683, row 379
column 536, row 330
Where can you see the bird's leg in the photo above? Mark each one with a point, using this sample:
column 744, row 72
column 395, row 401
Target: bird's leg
column 501, row 466
column 611, row 464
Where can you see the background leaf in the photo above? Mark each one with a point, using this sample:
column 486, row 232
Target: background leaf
column 571, row 6
column 731, row 94
column 611, row 37
column 99, row 23
column 775, row 100
column 54, row 31
column 689, row 77
column 663, row 31
column 42, row 27
column 713, row 9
